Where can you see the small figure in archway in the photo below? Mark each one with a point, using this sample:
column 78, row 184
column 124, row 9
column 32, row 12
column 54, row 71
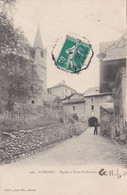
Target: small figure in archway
column 95, row 128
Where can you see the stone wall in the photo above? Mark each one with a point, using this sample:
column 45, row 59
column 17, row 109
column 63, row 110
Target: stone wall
column 107, row 127
column 79, row 127
column 75, row 108
column 22, row 143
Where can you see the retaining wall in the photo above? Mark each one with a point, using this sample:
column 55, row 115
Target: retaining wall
column 22, row 143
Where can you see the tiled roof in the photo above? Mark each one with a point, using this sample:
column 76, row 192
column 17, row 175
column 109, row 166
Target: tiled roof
column 114, row 50
column 75, row 101
column 91, row 91
column 61, row 84
column 108, row 106
column 94, row 91
column 68, row 99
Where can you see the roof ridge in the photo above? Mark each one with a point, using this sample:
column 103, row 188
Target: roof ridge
column 61, row 84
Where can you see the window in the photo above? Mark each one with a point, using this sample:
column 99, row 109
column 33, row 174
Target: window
column 91, row 99
column 92, row 107
column 32, row 101
column 73, row 107
column 108, row 98
column 42, row 54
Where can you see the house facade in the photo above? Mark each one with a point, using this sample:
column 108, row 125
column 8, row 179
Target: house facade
column 113, row 78
column 75, row 105
column 93, row 100
column 61, row 90
column 87, row 106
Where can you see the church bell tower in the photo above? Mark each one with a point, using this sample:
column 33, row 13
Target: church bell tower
column 40, row 67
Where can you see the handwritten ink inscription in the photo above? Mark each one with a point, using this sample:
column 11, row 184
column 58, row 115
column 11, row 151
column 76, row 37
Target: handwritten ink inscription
column 112, row 173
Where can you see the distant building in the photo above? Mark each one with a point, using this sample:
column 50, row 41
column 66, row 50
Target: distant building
column 113, row 78
column 93, row 100
column 61, row 90
column 87, row 106
column 75, row 105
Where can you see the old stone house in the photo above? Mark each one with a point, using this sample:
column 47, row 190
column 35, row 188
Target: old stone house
column 75, row 105
column 93, row 100
column 62, row 90
column 87, row 106
column 113, row 78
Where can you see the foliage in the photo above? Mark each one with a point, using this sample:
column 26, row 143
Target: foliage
column 46, row 104
column 28, row 116
column 75, row 116
column 12, row 124
column 15, row 79
column 105, row 126
column 16, row 57
column 61, row 120
column 11, row 39
column 10, row 2
column 71, row 120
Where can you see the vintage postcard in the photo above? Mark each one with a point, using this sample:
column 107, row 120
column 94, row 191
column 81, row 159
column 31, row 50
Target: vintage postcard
column 63, row 97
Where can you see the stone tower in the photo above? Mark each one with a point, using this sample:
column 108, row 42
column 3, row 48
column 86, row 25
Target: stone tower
column 39, row 69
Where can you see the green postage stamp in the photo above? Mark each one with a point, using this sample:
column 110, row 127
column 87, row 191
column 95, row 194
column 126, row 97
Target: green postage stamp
column 73, row 55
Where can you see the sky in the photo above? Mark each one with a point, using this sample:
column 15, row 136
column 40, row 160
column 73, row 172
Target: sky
column 97, row 20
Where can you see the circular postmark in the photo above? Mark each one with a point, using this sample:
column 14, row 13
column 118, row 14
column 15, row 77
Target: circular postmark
column 75, row 54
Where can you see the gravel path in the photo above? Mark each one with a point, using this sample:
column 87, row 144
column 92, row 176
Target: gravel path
column 61, row 170
column 85, row 149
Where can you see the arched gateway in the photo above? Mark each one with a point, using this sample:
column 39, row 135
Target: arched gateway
column 91, row 121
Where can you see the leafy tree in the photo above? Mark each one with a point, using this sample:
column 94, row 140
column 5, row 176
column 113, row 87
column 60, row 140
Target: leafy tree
column 75, row 116
column 11, row 39
column 16, row 79
column 16, row 54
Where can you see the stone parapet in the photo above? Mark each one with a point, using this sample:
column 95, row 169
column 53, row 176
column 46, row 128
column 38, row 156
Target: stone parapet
column 22, row 143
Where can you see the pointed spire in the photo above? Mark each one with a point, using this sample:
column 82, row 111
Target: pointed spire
column 38, row 40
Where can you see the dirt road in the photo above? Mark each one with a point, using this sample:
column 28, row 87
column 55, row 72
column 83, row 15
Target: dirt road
column 85, row 149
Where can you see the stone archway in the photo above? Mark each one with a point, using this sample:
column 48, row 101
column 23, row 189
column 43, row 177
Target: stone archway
column 91, row 121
